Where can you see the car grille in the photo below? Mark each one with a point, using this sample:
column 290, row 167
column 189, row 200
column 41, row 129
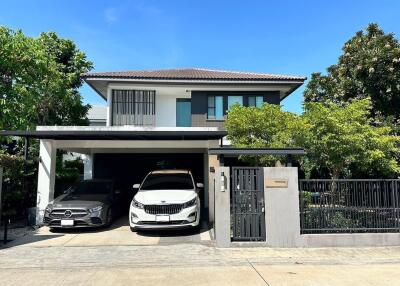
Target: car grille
column 57, row 223
column 163, row 209
column 61, row 213
column 172, row 222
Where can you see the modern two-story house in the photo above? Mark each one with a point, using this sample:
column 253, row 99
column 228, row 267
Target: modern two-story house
column 157, row 119
column 184, row 97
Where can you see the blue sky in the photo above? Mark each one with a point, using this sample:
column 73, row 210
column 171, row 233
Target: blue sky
column 292, row 37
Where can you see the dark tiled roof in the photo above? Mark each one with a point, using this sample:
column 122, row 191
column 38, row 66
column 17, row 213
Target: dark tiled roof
column 194, row 74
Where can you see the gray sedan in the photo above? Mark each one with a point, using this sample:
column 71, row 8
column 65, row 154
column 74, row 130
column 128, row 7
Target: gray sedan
column 89, row 203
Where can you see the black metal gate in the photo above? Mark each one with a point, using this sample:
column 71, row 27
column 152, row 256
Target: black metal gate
column 247, row 204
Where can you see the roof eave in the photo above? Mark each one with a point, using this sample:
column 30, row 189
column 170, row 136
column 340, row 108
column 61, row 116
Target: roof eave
column 295, row 83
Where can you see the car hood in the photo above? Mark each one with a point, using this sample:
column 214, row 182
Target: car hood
column 79, row 201
column 164, row 196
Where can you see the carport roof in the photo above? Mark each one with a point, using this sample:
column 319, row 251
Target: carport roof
column 118, row 135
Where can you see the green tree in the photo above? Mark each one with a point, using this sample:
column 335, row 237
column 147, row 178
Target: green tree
column 39, row 81
column 267, row 126
column 369, row 67
column 342, row 136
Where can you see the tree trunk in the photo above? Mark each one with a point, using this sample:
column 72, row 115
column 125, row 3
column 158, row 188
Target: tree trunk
column 335, row 173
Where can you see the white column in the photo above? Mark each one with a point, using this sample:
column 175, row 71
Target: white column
column 87, row 166
column 222, row 207
column 109, row 106
column 46, row 177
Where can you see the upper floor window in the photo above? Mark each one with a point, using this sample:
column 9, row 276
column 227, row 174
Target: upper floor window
column 215, row 108
column 133, row 107
column 218, row 105
column 234, row 99
column 256, row 101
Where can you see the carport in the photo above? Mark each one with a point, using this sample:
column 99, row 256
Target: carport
column 126, row 154
column 126, row 169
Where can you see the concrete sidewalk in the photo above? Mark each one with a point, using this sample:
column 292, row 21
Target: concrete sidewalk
column 197, row 264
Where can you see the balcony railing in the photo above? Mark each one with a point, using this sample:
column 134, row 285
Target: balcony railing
column 134, row 107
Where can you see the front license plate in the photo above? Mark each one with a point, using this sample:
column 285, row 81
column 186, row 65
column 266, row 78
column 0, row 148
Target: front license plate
column 162, row 218
column 67, row 222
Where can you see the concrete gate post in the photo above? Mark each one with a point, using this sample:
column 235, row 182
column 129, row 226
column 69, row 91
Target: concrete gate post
column 282, row 214
column 222, row 207
column 46, row 177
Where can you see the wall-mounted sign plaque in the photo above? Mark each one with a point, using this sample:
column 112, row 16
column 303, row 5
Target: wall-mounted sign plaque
column 276, row 183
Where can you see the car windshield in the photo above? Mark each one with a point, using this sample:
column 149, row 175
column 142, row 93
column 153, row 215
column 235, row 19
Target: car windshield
column 91, row 188
column 174, row 181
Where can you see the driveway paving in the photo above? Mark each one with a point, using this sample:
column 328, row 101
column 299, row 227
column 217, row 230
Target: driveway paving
column 119, row 257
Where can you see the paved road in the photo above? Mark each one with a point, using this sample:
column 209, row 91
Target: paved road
column 120, row 257
column 196, row 264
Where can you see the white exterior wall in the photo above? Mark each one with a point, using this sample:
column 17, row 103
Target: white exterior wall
column 167, row 94
column 165, row 101
column 109, row 107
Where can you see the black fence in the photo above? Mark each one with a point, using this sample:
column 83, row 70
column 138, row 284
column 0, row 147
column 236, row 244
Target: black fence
column 349, row 206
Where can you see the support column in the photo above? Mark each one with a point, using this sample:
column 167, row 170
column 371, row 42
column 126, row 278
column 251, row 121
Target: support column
column 212, row 166
column 46, row 177
column 87, row 166
column 222, row 207
column 206, row 180
column 282, row 214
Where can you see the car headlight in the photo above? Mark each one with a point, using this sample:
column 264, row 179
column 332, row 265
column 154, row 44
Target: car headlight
column 48, row 209
column 190, row 203
column 96, row 209
column 136, row 204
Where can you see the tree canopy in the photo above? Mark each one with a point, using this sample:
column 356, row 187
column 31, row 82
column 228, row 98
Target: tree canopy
column 338, row 137
column 369, row 67
column 39, row 81
column 343, row 138
column 267, row 126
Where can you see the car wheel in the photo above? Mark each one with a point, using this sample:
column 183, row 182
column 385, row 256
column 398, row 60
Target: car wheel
column 133, row 229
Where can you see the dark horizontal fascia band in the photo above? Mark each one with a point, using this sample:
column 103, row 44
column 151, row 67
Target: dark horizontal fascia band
column 256, row 151
column 117, row 135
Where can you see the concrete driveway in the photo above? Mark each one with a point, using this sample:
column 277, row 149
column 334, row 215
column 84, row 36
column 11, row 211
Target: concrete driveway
column 119, row 257
column 119, row 234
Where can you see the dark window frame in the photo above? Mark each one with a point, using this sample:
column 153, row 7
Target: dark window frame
column 255, row 100
column 213, row 107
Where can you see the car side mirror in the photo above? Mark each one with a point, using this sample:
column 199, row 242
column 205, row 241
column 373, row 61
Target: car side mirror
column 200, row 185
column 136, row 186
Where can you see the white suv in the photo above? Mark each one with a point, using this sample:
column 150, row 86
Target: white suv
column 166, row 199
